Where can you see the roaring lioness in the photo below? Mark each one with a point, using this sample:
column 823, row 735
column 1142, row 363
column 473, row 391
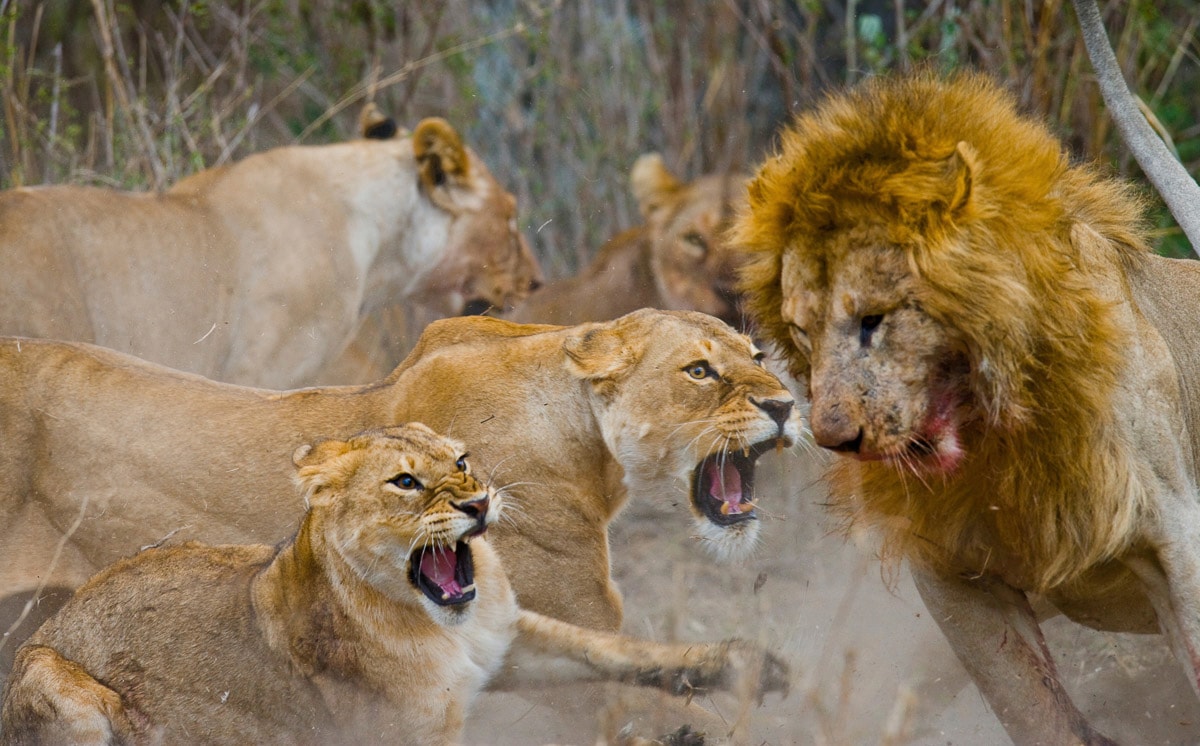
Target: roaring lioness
column 104, row 453
column 258, row 272
column 382, row 617
column 677, row 259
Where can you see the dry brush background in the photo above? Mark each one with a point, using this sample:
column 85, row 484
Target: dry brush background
column 559, row 98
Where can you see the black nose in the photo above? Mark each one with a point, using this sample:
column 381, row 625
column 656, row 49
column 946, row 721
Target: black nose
column 849, row 446
column 778, row 409
column 476, row 508
column 476, row 307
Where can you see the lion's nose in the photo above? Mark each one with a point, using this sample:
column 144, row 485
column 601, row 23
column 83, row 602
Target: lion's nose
column 777, row 409
column 476, row 508
column 848, row 446
column 832, row 428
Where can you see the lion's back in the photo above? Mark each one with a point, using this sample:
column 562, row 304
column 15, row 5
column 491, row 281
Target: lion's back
column 173, row 632
column 618, row 280
column 123, row 269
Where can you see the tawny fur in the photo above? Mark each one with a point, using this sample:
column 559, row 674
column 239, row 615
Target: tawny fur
column 1002, row 279
column 980, row 323
column 325, row 638
column 567, row 422
column 677, row 259
column 259, row 272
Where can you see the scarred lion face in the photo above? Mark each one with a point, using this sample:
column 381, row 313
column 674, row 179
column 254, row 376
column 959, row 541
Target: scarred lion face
column 886, row 380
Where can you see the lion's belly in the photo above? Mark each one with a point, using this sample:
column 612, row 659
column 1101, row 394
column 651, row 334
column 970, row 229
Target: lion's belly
column 1108, row 598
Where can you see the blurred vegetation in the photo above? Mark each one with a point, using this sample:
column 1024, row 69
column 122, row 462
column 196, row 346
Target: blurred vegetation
column 558, row 97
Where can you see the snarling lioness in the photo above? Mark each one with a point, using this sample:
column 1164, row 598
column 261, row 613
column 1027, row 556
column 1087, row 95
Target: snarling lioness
column 1012, row 376
column 108, row 453
column 677, row 259
column 381, row 619
column 258, row 272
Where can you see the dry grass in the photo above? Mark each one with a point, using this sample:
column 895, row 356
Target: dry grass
column 559, row 97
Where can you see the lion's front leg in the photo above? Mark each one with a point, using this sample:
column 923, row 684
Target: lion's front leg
column 1172, row 583
column 549, row 651
column 995, row 635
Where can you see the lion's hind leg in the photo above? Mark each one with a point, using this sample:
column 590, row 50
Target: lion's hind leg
column 51, row 700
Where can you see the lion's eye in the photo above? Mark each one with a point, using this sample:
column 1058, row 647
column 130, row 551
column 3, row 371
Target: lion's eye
column 462, row 462
column 867, row 327
column 696, row 241
column 406, row 481
column 759, row 357
column 700, row 371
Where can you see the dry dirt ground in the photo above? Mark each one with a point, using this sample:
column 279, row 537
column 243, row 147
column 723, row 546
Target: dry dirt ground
column 869, row 665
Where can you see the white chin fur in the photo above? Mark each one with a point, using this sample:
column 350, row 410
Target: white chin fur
column 448, row 616
column 731, row 543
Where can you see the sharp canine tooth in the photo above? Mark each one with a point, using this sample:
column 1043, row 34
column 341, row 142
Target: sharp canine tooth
column 445, row 596
column 469, row 588
column 746, row 451
column 724, row 508
column 748, row 506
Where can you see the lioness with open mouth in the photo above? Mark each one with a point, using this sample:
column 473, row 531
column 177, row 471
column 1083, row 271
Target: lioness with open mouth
column 382, row 617
column 103, row 453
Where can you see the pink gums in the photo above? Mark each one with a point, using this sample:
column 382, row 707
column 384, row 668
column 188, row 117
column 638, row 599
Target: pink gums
column 438, row 565
column 725, row 484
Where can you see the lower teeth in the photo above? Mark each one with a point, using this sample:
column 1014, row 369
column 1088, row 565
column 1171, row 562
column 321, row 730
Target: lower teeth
column 745, row 507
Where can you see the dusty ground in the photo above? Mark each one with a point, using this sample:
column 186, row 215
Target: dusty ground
column 870, row 665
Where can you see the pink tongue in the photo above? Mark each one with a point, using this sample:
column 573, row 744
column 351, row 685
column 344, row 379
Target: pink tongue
column 438, row 565
column 725, row 484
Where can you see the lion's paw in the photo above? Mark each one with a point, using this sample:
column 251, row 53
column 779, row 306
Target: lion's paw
column 751, row 670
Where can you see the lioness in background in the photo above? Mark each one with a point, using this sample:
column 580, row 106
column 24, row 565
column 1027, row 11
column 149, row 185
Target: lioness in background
column 383, row 617
column 106, row 453
column 678, row 259
column 258, row 272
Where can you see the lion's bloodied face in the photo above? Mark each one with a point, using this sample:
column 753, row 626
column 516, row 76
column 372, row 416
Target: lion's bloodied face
column 886, row 380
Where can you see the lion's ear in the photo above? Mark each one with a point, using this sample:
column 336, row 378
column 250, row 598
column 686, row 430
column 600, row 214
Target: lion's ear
column 373, row 125
column 959, row 177
column 652, row 183
column 440, row 153
column 599, row 352
column 314, row 472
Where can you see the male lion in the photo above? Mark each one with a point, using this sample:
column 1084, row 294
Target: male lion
column 678, row 259
column 105, row 453
column 381, row 618
column 1010, row 372
column 258, row 272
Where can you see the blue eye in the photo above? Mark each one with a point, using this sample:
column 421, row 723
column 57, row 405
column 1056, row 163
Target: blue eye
column 700, row 371
column 406, row 481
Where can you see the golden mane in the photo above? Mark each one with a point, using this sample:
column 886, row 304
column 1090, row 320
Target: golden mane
column 983, row 202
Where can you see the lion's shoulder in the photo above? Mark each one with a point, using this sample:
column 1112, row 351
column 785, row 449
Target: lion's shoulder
column 461, row 331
